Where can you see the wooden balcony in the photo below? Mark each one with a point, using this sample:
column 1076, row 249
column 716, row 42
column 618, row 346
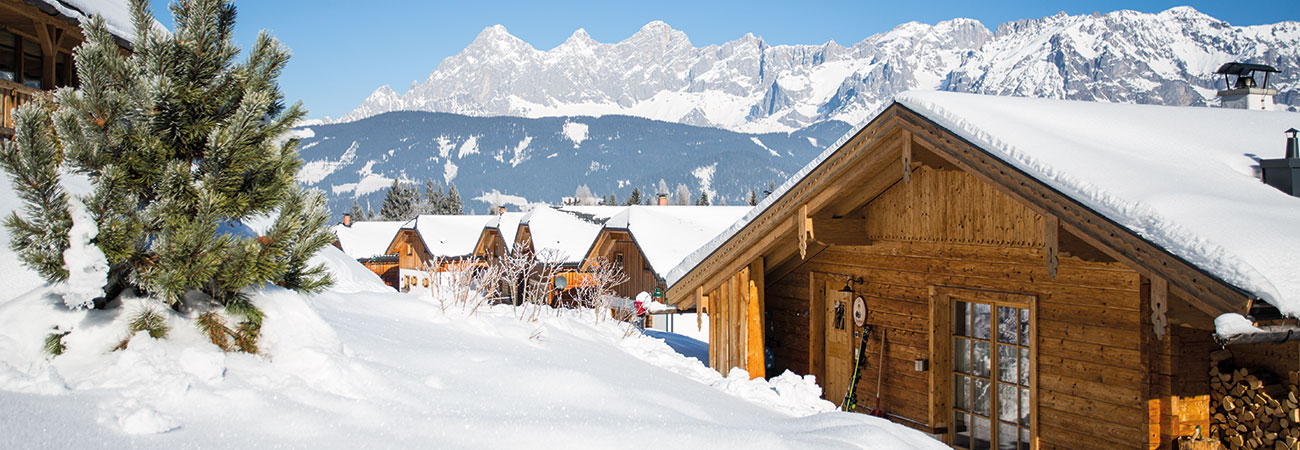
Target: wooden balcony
column 13, row 95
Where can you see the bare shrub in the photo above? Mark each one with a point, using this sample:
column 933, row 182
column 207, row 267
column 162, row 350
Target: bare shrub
column 597, row 293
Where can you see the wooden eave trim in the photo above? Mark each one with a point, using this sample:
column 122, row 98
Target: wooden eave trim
column 1207, row 291
column 737, row 251
column 37, row 11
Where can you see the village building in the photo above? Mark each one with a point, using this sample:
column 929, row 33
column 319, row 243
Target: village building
column 648, row 241
column 369, row 242
column 36, row 42
column 1031, row 273
column 498, row 237
column 436, row 242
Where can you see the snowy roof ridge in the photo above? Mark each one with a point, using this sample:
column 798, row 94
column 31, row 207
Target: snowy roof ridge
column 367, row 239
column 1181, row 178
column 668, row 234
column 450, row 236
column 116, row 14
column 703, row 252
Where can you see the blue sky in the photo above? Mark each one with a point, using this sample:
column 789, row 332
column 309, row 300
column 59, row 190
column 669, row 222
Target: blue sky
column 344, row 49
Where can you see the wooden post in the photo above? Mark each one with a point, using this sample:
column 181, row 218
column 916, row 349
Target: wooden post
column 1159, row 306
column 805, row 231
column 757, row 355
column 1051, row 243
column 907, row 157
column 47, row 55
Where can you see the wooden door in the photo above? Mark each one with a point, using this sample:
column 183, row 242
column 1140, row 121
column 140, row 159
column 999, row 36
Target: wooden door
column 839, row 342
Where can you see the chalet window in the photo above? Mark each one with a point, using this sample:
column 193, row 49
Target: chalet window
column 991, row 375
column 618, row 259
column 32, row 63
column 8, row 56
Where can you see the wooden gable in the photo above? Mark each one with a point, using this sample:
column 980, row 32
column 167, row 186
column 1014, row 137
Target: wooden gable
column 618, row 246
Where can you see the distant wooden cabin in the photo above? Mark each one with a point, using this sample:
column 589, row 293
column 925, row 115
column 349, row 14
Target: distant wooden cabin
column 37, row 38
column 648, row 241
column 562, row 235
column 436, row 241
column 369, row 242
column 1021, row 306
column 498, row 236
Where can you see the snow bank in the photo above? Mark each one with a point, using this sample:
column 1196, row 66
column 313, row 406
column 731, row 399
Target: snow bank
column 86, row 263
column 363, row 366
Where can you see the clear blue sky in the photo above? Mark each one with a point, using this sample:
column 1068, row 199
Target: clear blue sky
column 344, row 49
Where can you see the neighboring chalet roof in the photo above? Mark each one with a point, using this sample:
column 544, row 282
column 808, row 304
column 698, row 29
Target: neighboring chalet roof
column 598, row 213
column 449, row 236
column 116, row 13
column 667, row 234
column 366, row 239
column 1179, row 178
column 569, row 233
column 508, row 225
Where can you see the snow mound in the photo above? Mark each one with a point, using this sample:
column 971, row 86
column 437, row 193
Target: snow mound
column 363, row 366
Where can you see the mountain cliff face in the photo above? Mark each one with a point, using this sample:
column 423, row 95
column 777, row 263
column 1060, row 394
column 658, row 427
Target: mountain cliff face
column 748, row 86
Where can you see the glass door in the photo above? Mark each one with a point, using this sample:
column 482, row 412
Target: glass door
column 990, row 375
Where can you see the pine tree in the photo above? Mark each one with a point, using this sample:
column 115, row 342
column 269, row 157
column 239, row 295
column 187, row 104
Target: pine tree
column 612, row 200
column 400, row 203
column 635, row 197
column 179, row 142
column 453, row 205
column 358, row 215
column 753, row 198
column 433, row 198
column 703, row 200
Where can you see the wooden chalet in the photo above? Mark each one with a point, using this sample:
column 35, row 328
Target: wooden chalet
column 562, row 234
column 369, row 243
column 498, row 236
column 648, row 241
column 36, row 42
column 438, row 240
column 1013, row 300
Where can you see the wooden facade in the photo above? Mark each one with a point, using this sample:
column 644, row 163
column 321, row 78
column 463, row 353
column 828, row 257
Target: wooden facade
column 617, row 246
column 36, row 44
column 1007, row 310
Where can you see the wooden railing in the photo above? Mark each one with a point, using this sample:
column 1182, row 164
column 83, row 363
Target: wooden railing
column 12, row 95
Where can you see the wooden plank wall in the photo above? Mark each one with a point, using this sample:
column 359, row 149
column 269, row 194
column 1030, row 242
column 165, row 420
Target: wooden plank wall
column 639, row 277
column 956, row 232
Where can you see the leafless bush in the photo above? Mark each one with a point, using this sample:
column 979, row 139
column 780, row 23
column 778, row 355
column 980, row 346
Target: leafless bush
column 597, row 293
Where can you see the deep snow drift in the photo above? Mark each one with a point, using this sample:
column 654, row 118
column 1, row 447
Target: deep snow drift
column 361, row 366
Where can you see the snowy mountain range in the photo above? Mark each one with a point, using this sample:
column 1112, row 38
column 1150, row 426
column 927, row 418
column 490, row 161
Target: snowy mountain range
column 747, row 85
column 530, row 160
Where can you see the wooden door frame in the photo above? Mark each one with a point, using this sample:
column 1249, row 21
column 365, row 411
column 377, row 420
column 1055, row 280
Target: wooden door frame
column 941, row 298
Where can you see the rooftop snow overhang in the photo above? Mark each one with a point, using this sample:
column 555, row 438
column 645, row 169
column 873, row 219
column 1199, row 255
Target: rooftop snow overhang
column 818, row 183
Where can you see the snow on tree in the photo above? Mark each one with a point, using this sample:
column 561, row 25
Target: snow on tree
column 753, row 198
column 662, row 188
column 682, row 196
column 400, row 203
column 358, row 215
column 180, row 143
column 451, row 203
column 433, row 198
column 582, row 196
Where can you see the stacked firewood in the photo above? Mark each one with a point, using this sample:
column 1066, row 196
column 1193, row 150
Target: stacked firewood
column 1252, row 410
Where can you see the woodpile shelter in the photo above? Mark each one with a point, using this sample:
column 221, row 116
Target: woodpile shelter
column 37, row 38
column 1035, row 274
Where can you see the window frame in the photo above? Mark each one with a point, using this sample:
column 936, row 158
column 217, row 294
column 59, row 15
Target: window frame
column 941, row 341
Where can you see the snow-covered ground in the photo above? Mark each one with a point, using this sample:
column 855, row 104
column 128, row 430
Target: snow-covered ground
column 361, row 366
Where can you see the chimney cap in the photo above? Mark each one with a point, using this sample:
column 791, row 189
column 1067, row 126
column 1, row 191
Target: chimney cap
column 1234, row 68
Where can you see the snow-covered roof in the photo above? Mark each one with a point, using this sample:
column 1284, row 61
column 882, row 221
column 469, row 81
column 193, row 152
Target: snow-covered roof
column 508, row 225
column 450, row 236
column 1183, row 178
column 116, row 13
column 667, row 234
column 366, row 239
column 596, row 212
column 565, row 232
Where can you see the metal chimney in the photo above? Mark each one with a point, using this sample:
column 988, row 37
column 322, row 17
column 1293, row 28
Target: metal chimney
column 1284, row 173
column 1246, row 92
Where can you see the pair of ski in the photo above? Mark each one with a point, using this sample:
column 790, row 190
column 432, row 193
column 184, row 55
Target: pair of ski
column 850, row 402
